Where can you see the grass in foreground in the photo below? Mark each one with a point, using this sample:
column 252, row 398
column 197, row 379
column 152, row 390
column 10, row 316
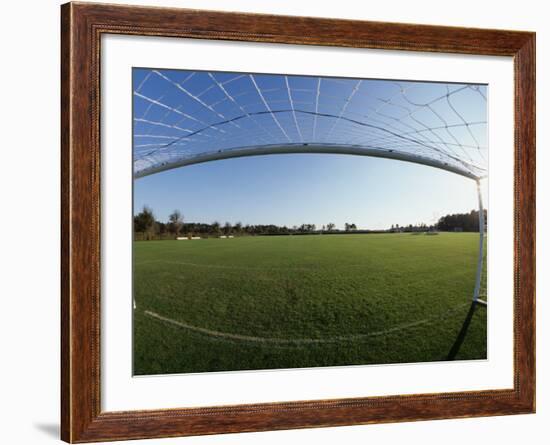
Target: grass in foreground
column 304, row 301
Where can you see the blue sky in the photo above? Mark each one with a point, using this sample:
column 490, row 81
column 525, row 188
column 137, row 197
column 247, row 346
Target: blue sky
column 179, row 114
column 295, row 189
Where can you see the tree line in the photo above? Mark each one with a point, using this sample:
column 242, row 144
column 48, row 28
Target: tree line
column 147, row 227
column 420, row 227
column 456, row 222
column 465, row 222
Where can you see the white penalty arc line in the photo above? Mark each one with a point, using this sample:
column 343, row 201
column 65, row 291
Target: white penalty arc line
column 299, row 341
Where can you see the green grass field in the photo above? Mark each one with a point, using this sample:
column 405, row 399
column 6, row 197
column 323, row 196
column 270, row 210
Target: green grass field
column 304, row 301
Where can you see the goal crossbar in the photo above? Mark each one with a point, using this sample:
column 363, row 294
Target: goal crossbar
column 305, row 149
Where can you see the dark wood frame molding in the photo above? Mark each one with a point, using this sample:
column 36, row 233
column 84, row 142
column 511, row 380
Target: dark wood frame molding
column 82, row 25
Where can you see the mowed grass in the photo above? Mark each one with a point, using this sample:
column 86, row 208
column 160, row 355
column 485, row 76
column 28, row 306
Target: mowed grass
column 304, row 301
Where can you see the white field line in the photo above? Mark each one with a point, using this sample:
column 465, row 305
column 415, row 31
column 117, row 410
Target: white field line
column 301, row 341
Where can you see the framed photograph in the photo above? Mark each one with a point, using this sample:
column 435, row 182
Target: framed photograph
column 276, row 222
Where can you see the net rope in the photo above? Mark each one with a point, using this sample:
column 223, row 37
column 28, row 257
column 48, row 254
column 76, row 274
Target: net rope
column 179, row 115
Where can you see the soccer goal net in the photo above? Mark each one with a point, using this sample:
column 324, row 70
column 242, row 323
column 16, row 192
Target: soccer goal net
column 186, row 117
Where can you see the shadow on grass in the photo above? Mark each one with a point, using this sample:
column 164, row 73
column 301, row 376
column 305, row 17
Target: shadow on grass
column 463, row 332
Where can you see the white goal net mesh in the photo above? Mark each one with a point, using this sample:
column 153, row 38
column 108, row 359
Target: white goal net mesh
column 181, row 115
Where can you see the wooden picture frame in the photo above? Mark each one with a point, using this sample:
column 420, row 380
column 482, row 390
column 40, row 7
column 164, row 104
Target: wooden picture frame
column 82, row 26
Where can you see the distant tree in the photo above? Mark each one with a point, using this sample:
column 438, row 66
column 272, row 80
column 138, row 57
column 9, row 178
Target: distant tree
column 176, row 222
column 352, row 226
column 331, row 226
column 160, row 227
column 306, row 228
column 227, row 228
column 145, row 222
column 467, row 222
column 215, row 227
column 238, row 227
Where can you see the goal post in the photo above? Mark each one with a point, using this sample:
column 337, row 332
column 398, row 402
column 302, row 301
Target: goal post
column 481, row 242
